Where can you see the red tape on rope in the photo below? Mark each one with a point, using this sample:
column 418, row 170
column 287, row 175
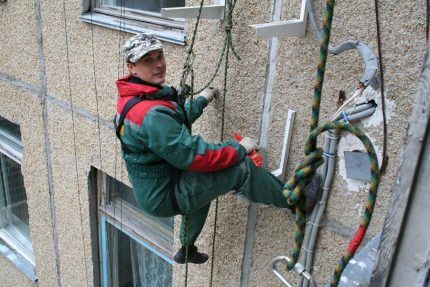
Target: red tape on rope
column 356, row 240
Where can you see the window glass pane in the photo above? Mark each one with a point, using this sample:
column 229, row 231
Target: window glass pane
column 15, row 196
column 10, row 128
column 118, row 202
column 120, row 196
column 147, row 5
column 131, row 264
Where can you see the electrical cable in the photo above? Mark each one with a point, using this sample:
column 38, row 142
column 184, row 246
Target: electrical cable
column 381, row 73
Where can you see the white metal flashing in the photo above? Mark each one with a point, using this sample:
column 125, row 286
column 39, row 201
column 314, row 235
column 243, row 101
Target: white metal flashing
column 215, row 11
column 289, row 28
column 289, row 124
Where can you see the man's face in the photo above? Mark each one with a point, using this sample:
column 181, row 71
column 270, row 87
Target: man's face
column 150, row 68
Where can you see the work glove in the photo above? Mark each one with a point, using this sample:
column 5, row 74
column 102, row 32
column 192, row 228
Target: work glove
column 255, row 156
column 210, row 93
column 249, row 144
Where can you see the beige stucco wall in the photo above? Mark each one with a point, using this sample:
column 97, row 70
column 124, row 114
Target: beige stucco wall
column 73, row 138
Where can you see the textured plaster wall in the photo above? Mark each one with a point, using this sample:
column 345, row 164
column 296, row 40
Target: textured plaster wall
column 73, row 138
column 18, row 54
column 13, row 102
column 242, row 114
column 10, row 276
column 403, row 40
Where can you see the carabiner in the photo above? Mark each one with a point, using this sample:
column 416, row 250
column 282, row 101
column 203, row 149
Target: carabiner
column 298, row 269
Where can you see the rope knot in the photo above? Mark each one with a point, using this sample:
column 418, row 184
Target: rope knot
column 228, row 27
column 293, row 188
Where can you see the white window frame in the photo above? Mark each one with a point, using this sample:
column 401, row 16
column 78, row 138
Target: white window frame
column 134, row 21
column 14, row 244
column 136, row 225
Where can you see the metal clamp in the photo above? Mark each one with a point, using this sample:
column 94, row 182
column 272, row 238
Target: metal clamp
column 298, row 269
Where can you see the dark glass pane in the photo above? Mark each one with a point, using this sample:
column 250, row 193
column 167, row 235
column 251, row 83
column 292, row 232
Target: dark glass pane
column 135, row 265
column 147, row 5
column 17, row 202
column 10, row 128
column 153, row 271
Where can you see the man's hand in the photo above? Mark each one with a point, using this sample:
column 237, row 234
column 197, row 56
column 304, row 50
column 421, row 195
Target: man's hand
column 249, row 144
column 210, row 93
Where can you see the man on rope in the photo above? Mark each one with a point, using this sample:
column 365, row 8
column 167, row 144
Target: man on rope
column 173, row 172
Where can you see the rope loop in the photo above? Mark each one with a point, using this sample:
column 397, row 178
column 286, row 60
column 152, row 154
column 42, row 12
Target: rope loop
column 293, row 189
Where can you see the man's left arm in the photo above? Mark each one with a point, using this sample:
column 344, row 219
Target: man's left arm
column 197, row 105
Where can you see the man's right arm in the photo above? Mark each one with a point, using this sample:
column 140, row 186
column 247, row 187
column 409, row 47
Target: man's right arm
column 164, row 135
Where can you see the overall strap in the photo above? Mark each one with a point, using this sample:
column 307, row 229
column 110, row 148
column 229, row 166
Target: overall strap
column 131, row 103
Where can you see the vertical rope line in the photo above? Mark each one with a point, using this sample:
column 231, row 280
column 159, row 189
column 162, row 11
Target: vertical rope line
column 319, row 80
column 227, row 54
column 190, row 53
column 187, row 68
column 221, row 139
column 187, row 230
column 381, row 73
column 74, row 139
column 427, row 19
column 96, row 90
column 293, row 189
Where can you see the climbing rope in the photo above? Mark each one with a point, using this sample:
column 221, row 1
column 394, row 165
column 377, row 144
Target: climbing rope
column 185, row 90
column 228, row 45
column 294, row 188
column 427, row 20
column 74, row 140
column 188, row 66
column 381, row 73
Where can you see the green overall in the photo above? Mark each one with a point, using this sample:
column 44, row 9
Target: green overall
column 195, row 191
column 173, row 172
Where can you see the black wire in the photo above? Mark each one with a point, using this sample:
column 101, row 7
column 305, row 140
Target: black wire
column 381, row 73
column 427, row 19
column 96, row 90
column 74, row 138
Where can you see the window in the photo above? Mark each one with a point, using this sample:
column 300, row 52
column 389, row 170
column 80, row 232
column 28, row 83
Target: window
column 137, row 17
column 136, row 249
column 14, row 227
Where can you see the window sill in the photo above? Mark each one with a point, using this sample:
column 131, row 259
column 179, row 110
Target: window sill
column 16, row 259
column 131, row 26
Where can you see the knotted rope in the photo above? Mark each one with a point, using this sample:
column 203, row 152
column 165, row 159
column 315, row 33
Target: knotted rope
column 294, row 188
column 188, row 90
column 188, row 67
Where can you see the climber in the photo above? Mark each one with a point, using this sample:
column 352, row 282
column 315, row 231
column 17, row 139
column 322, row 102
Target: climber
column 173, row 172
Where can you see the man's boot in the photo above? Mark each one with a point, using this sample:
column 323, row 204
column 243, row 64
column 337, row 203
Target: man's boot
column 313, row 192
column 193, row 255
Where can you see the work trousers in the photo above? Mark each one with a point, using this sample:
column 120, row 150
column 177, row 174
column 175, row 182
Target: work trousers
column 195, row 191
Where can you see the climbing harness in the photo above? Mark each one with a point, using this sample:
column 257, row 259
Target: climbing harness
column 293, row 189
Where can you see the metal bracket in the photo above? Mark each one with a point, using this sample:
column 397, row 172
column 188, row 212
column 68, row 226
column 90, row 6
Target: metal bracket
column 289, row 124
column 289, row 28
column 298, row 269
column 215, row 11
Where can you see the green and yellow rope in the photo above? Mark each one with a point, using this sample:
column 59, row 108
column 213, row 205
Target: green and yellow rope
column 294, row 188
